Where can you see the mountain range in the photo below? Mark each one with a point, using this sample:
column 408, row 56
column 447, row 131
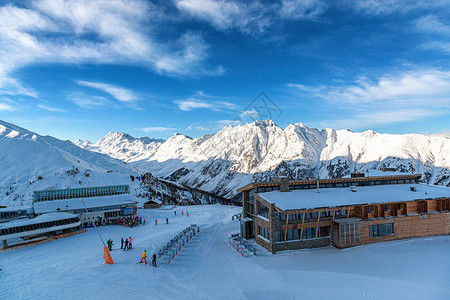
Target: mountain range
column 258, row 151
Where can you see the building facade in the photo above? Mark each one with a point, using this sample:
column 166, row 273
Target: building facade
column 344, row 212
column 90, row 203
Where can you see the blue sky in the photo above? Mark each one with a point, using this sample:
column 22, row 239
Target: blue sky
column 79, row 69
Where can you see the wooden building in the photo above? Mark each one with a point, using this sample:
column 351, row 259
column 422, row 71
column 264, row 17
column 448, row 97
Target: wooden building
column 344, row 212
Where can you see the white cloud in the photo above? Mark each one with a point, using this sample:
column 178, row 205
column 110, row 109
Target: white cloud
column 89, row 102
column 157, row 129
column 6, row 107
column 437, row 32
column 121, row 94
column 250, row 113
column 223, row 123
column 386, row 7
column 202, row 101
column 84, row 31
column 52, row 109
column 251, row 17
column 392, row 98
column 199, row 128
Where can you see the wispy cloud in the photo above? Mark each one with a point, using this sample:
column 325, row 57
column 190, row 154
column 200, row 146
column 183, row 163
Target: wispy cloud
column 387, row 7
column 49, row 108
column 6, row 107
column 437, row 31
column 89, row 102
column 157, row 129
column 202, row 101
column 119, row 93
column 392, row 98
column 57, row 31
column 250, row 17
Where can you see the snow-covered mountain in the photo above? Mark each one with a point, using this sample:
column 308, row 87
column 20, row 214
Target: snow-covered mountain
column 238, row 155
column 29, row 162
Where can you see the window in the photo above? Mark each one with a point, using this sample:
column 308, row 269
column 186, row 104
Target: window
column 381, row 229
column 309, row 233
column 370, row 209
column 324, row 231
column 263, row 210
column 350, row 233
column 264, row 233
column 399, row 206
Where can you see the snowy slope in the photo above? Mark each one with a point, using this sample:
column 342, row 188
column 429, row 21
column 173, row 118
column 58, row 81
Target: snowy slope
column 238, row 155
column 30, row 162
column 208, row 268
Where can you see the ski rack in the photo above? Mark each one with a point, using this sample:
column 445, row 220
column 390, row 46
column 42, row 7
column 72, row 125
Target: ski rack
column 241, row 245
column 236, row 216
column 174, row 246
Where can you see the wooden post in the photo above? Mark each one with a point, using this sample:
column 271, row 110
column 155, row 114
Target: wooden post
column 303, row 221
column 334, row 213
column 286, row 229
column 348, row 213
column 317, row 225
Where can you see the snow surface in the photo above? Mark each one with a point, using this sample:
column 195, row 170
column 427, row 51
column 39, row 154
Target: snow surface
column 208, row 268
column 91, row 202
column 330, row 197
column 31, row 162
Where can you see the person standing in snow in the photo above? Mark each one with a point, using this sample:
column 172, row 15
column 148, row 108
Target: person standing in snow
column 144, row 257
column 130, row 245
column 156, row 221
column 175, row 212
column 154, row 260
column 167, row 220
column 144, row 221
column 126, row 245
column 121, row 243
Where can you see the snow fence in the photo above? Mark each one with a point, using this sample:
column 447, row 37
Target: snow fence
column 174, row 246
column 241, row 245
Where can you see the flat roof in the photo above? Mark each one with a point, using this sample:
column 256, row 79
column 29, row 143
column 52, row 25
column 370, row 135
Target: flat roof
column 92, row 202
column 332, row 197
column 54, row 216
column 382, row 176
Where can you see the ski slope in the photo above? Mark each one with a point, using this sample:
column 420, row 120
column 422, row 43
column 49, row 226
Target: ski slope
column 208, row 268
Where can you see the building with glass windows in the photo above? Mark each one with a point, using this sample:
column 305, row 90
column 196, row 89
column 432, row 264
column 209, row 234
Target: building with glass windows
column 90, row 203
column 345, row 212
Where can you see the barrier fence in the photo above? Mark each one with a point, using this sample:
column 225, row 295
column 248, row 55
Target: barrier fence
column 174, row 246
column 242, row 246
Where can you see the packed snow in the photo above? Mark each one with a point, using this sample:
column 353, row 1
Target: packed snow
column 209, row 268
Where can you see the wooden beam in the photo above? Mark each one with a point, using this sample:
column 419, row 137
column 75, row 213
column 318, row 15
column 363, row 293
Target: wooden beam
column 348, row 212
column 334, row 213
column 317, row 224
column 286, row 229
column 303, row 221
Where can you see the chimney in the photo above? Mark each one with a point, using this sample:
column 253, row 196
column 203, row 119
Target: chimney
column 284, row 183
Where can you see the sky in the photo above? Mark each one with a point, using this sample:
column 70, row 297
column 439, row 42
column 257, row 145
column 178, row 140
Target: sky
column 80, row 69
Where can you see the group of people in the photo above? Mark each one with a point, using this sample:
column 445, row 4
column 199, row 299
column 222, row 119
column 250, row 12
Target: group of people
column 124, row 221
column 127, row 244
column 144, row 258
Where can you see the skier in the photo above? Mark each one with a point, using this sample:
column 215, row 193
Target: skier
column 121, row 243
column 167, row 220
column 130, row 245
column 156, row 221
column 144, row 257
column 175, row 213
column 182, row 213
column 154, row 260
column 110, row 243
column 126, row 245
column 144, row 221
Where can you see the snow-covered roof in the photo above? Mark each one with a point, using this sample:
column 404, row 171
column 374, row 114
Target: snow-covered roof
column 93, row 202
column 54, row 216
column 331, row 197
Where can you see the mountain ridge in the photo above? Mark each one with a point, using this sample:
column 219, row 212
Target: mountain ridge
column 258, row 151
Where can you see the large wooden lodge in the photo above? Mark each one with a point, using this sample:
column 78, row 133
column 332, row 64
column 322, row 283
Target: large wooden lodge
column 345, row 212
